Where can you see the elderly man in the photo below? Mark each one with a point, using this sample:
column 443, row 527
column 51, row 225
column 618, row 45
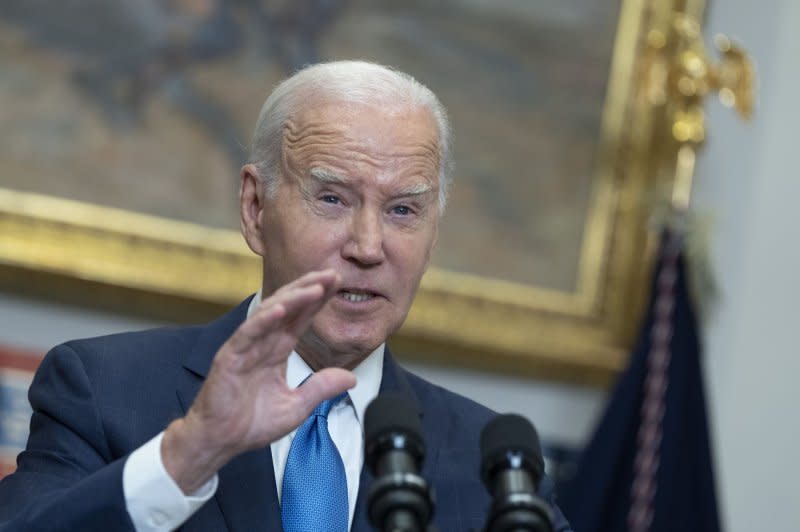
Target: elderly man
column 198, row 427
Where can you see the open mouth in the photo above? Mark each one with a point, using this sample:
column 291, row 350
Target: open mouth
column 356, row 296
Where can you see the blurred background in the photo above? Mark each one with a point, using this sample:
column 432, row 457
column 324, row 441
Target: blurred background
column 746, row 184
column 149, row 106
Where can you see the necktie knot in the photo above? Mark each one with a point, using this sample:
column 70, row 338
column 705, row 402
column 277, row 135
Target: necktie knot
column 324, row 408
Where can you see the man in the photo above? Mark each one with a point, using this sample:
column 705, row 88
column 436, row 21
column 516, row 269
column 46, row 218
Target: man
column 342, row 199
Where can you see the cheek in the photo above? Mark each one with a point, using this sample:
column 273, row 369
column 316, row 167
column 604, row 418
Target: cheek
column 412, row 255
column 313, row 242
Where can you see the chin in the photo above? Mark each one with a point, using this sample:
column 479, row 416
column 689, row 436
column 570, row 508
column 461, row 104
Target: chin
column 358, row 340
column 354, row 344
column 352, row 333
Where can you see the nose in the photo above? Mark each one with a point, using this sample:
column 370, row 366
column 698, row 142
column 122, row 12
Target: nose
column 365, row 243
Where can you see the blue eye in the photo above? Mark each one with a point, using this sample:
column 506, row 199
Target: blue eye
column 402, row 210
column 330, row 198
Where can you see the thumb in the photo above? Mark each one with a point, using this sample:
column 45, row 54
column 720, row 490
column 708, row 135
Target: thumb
column 324, row 384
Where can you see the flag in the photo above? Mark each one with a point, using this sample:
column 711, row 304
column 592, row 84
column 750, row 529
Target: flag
column 648, row 466
column 16, row 373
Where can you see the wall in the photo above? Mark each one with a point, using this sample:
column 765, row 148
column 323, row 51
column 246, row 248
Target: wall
column 748, row 180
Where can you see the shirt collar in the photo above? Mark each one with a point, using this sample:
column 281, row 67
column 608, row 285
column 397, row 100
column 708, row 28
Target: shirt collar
column 368, row 372
column 254, row 304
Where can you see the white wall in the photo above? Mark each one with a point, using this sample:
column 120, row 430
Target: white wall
column 37, row 325
column 748, row 178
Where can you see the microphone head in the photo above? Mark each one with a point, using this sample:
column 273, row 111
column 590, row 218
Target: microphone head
column 509, row 441
column 391, row 422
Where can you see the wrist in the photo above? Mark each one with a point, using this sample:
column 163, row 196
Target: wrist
column 189, row 458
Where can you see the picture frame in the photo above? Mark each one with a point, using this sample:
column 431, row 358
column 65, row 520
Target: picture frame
column 109, row 256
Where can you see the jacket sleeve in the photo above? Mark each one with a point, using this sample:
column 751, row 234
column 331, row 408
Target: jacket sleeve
column 66, row 478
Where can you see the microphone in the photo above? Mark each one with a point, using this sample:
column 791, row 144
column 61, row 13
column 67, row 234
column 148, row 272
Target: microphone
column 399, row 499
column 511, row 468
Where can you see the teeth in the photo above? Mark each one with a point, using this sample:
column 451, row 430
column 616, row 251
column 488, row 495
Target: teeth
column 355, row 296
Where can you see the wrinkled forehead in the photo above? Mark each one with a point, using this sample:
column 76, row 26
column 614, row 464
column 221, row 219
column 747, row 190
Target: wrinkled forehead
column 396, row 130
column 390, row 115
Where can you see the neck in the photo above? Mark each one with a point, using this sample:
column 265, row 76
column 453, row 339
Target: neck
column 319, row 356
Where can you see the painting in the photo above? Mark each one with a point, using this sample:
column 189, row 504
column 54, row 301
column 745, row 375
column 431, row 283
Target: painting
column 124, row 125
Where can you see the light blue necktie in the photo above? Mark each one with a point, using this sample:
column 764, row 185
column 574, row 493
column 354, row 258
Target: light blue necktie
column 314, row 494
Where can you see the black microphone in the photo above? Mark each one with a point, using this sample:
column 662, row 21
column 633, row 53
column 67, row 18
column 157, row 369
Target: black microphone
column 399, row 499
column 511, row 468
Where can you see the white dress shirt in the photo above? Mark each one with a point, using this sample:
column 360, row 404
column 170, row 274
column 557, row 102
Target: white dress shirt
column 345, row 421
column 154, row 501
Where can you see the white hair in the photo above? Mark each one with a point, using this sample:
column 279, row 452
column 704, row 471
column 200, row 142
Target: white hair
column 346, row 82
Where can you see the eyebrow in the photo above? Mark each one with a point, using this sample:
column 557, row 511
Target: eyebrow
column 418, row 189
column 324, row 176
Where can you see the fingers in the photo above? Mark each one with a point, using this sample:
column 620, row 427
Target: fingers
column 300, row 300
column 300, row 311
column 328, row 279
column 324, row 384
column 301, row 320
column 292, row 306
column 255, row 327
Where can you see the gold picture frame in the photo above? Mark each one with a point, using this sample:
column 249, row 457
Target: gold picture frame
column 111, row 258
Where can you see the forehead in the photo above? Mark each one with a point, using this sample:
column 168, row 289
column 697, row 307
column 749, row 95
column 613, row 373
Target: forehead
column 383, row 136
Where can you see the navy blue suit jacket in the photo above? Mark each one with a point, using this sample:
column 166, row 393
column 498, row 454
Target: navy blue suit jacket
column 97, row 400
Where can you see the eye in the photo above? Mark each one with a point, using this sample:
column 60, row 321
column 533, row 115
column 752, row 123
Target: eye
column 402, row 210
column 332, row 199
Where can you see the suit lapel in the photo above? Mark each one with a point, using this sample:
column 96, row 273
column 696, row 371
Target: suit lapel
column 394, row 379
column 246, row 494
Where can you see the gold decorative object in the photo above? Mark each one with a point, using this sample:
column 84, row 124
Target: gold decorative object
column 678, row 78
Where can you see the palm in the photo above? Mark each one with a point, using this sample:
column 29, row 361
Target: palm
column 246, row 403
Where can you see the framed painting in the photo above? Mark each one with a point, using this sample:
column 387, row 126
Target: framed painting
column 124, row 124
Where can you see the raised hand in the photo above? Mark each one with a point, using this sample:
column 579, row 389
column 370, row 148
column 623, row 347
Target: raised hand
column 245, row 402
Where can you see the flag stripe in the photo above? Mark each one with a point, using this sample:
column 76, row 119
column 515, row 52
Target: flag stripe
column 646, row 461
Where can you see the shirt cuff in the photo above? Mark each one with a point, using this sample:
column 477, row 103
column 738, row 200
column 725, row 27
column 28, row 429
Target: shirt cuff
column 154, row 501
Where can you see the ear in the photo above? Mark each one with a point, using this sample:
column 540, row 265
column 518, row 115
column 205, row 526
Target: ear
column 251, row 208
